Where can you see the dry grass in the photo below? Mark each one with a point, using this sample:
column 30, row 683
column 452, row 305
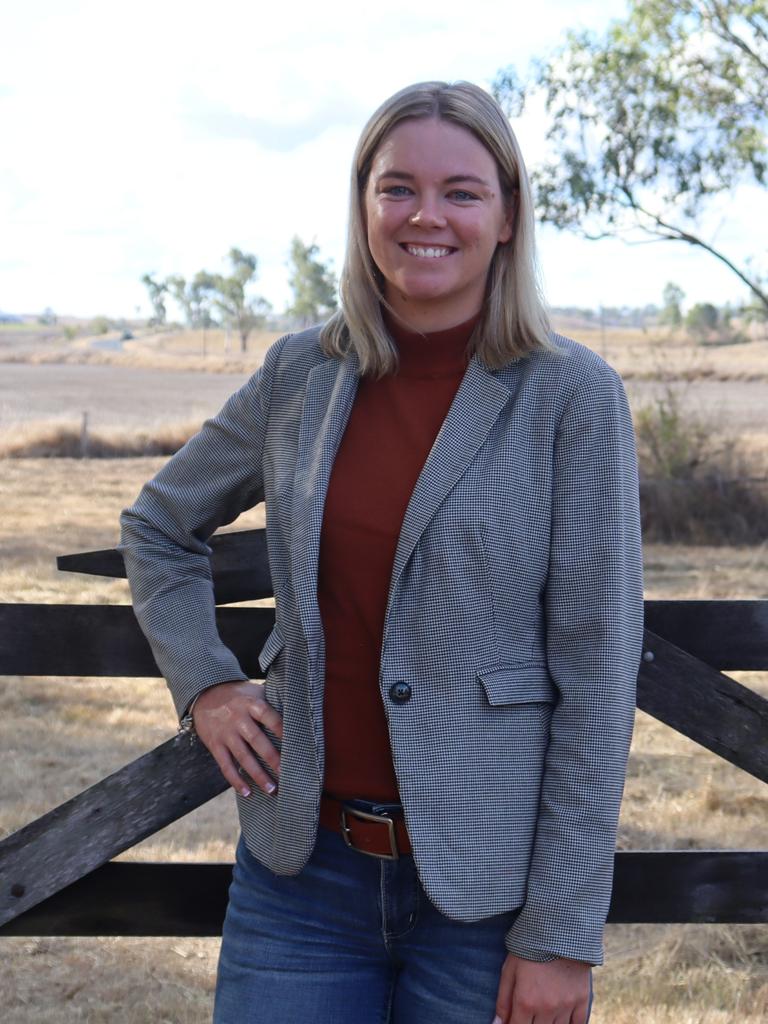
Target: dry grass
column 52, row 439
column 60, row 735
column 638, row 354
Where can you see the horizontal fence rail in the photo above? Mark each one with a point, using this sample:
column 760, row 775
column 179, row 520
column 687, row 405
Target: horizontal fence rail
column 105, row 639
column 126, row 898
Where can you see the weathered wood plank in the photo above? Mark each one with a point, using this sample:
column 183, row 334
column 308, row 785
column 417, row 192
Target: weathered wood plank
column 105, row 640
column 730, row 635
column 698, row 701
column 109, row 817
column 707, row 886
column 128, row 898
column 43, row 639
column 239, row 565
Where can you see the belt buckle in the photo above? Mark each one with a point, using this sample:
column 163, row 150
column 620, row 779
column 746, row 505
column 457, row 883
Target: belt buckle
column 365, row 816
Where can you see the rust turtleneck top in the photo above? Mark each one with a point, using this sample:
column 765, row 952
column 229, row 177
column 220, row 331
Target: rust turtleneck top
column 391, row 428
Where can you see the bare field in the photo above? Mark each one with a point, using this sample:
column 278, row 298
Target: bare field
column 61, row 735
column 126, row 397
column 727, row 386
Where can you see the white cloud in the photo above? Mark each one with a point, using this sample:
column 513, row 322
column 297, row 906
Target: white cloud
column 153, row 137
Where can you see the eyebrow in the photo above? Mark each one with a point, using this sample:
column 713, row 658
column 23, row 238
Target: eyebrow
column 454, row 178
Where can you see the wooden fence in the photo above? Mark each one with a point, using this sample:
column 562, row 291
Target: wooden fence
column 55, row 875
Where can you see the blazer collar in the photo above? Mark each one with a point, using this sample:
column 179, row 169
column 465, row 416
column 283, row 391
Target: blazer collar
column 330, row 393
column 475, row 408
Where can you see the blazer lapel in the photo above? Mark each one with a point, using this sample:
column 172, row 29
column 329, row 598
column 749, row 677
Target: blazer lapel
column 478, row 402
column 330, row 393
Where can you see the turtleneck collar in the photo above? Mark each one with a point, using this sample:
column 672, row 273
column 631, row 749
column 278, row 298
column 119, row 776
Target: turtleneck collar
column 434, row 354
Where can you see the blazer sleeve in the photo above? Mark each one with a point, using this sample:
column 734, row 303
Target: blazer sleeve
column 594, row 630
column 208, row 483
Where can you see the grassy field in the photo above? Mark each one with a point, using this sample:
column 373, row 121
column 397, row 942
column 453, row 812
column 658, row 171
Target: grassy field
column 61, row 735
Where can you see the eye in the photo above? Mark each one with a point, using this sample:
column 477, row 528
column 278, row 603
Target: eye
column 463, row 196
column 397, row 190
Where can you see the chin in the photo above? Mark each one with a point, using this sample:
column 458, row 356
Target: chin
column 424, row 291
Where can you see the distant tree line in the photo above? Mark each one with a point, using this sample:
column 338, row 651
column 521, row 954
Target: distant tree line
column 703, row 321
column 208, row 300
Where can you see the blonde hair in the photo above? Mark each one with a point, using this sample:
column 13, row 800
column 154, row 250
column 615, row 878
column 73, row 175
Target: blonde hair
column 514, row 320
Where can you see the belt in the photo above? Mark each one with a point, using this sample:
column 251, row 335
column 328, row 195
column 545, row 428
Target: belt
column 377, row 829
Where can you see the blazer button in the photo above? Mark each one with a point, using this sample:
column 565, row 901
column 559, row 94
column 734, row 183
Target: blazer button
column 400, row 692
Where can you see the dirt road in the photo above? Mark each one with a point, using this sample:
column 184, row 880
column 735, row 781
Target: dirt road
column 112, row 397
column 137, row 397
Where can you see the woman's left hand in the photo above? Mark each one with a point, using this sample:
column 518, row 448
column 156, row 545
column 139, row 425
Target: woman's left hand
column 554, row 992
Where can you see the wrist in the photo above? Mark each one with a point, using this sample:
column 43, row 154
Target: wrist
column 187, row 721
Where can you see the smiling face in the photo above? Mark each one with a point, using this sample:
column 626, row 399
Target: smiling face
column 434, row 214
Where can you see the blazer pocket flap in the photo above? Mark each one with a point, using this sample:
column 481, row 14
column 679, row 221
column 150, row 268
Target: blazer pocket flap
column 274, row 644
column 518, row 684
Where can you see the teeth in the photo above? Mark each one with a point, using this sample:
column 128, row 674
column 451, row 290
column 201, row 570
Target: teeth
column 432, row 252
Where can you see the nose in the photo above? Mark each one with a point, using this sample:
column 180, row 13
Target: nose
column 427, row 215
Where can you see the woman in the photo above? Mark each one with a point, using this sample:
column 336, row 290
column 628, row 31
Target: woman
column 429, row 779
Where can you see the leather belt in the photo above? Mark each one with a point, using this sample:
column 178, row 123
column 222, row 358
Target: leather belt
column 377, row 829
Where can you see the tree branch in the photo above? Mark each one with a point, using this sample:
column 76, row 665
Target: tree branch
column 673, row 232
column 720, row 17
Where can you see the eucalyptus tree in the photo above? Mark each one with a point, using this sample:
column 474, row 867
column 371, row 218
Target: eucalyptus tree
column 652, row 119
column 312, row 282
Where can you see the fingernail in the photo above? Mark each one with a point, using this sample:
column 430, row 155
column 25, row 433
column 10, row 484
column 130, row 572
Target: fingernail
column 245, row 791
column 496, row 1020
column 271, row 787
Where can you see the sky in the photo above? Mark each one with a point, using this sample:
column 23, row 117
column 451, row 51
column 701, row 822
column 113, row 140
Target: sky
column 152, row 137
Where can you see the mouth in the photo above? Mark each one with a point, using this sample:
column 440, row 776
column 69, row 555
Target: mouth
column 427, row 252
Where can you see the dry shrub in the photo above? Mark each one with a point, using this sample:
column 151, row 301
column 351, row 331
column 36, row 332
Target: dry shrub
column 695, row 482
column 56, row 441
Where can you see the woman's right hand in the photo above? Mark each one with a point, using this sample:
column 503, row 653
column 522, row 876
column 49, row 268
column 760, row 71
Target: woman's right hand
column 228, row 718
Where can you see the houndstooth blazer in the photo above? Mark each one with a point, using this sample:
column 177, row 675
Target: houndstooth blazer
column 515, row 613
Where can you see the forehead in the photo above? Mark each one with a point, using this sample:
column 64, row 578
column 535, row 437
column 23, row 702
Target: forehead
column 433, row 147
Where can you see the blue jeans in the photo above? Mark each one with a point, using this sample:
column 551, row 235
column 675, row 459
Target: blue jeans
column 352, row 939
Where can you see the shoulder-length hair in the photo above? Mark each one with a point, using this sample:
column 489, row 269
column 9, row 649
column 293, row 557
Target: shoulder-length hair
column 514, row 320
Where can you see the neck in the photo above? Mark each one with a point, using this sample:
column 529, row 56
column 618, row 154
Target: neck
column 431, row 354
column 424, row 320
